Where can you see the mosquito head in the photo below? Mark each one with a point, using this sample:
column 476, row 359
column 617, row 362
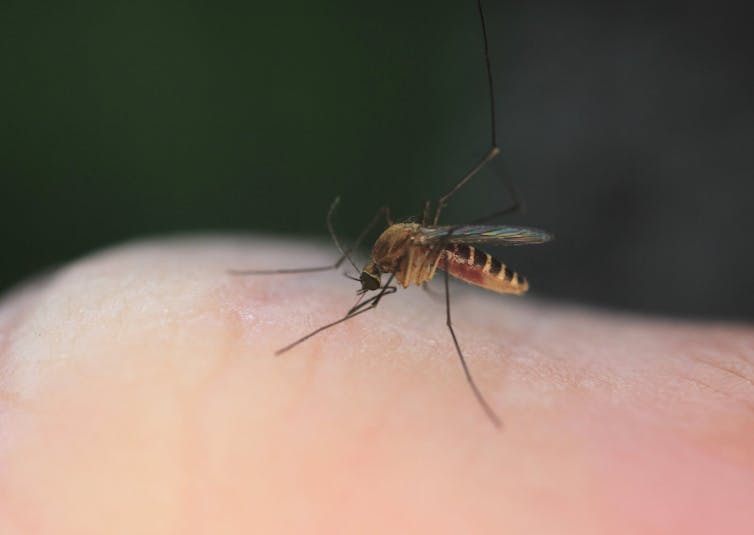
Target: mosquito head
column 370, row 277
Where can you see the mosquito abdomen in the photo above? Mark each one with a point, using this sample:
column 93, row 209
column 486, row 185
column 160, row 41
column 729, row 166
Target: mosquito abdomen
column 476, row 267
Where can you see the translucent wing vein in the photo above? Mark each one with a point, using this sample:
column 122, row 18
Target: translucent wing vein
column 490, row 234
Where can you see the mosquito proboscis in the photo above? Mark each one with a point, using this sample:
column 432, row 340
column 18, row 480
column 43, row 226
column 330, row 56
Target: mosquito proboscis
column 411, row 252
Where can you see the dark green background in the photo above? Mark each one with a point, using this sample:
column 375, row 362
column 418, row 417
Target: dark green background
column 627, row 132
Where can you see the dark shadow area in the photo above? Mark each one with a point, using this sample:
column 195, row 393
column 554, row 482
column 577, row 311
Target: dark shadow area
column 626, row 130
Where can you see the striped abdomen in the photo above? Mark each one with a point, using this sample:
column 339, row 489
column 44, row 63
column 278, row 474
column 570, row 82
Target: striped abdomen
column 477, row 267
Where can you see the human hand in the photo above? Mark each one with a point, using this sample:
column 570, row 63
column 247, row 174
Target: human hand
column 140, row 394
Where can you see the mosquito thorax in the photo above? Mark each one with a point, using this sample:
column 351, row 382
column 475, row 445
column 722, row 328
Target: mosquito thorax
column 370, row 277
column 392, row 245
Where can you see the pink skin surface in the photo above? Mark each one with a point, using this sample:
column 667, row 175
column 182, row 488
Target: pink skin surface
column 139, row 393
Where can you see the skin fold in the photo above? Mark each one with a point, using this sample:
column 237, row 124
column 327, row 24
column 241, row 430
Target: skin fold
column 139, row 393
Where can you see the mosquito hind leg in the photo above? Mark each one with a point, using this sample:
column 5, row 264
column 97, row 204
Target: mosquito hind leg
column 443, row 201
column 384, row 211
column 493, row 150
column 477, row 393
column 516, row 205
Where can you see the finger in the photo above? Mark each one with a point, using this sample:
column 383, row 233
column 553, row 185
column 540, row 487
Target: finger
column 140, row 384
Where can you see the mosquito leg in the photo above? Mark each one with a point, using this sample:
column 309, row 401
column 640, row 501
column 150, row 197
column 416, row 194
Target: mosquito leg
column 443, row 201
column 365, row 306
column 409, row 271
column 515, row 206
column 384, row 211
column 324, row 327
column 494, row 150
column 490, row 413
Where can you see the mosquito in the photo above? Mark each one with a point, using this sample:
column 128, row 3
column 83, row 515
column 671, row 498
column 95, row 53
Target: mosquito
column 411, row 252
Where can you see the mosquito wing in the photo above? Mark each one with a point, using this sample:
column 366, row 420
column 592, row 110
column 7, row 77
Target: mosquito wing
column 492, row 234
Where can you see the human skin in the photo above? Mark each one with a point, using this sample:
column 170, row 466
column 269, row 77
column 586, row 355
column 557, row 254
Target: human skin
column 139, row 393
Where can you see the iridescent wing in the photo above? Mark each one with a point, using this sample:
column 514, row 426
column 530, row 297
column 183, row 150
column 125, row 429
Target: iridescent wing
column 491, row 234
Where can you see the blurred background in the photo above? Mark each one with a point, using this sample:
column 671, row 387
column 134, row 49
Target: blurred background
column 627, row 131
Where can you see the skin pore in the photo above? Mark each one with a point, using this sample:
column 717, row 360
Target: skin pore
column 139, row 394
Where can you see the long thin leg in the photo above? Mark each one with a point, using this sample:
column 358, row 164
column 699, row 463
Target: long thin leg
column 487, row 409
column 360, row 308
column 384, row 211
column 494, row 150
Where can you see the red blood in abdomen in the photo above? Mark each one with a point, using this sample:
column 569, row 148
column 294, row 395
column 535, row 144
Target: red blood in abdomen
column 461, row 270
